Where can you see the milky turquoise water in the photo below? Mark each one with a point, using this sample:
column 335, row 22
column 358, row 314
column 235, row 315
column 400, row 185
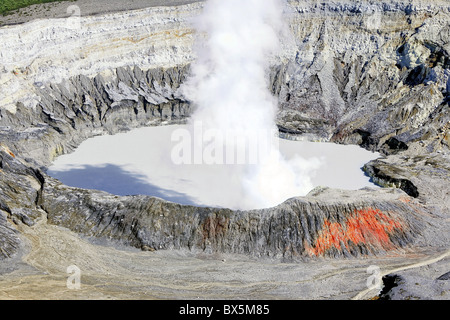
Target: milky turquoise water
column 140, row 162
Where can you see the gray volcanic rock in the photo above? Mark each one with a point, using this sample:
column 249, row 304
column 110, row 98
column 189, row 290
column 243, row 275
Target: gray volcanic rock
column 381, row 74
column 301, row 227
column 376, row 74
column 423, row 283
column 81, row 107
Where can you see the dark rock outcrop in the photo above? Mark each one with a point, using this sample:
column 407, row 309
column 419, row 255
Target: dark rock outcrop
column 414, row 285
column 386, row 176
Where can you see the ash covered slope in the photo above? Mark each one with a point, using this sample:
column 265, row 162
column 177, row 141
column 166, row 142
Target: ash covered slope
column 368, row 73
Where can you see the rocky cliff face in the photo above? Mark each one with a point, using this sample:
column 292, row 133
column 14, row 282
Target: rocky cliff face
column 369, row 73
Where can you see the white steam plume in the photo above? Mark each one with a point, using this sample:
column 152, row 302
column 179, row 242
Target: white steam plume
column 228, row 87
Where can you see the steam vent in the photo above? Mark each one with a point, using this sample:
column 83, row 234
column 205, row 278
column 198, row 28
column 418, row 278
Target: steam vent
column 373, row 74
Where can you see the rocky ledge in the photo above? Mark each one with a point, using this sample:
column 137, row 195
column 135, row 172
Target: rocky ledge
column 372, row 74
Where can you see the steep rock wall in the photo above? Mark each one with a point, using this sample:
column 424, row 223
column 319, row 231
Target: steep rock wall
column 369, row 71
